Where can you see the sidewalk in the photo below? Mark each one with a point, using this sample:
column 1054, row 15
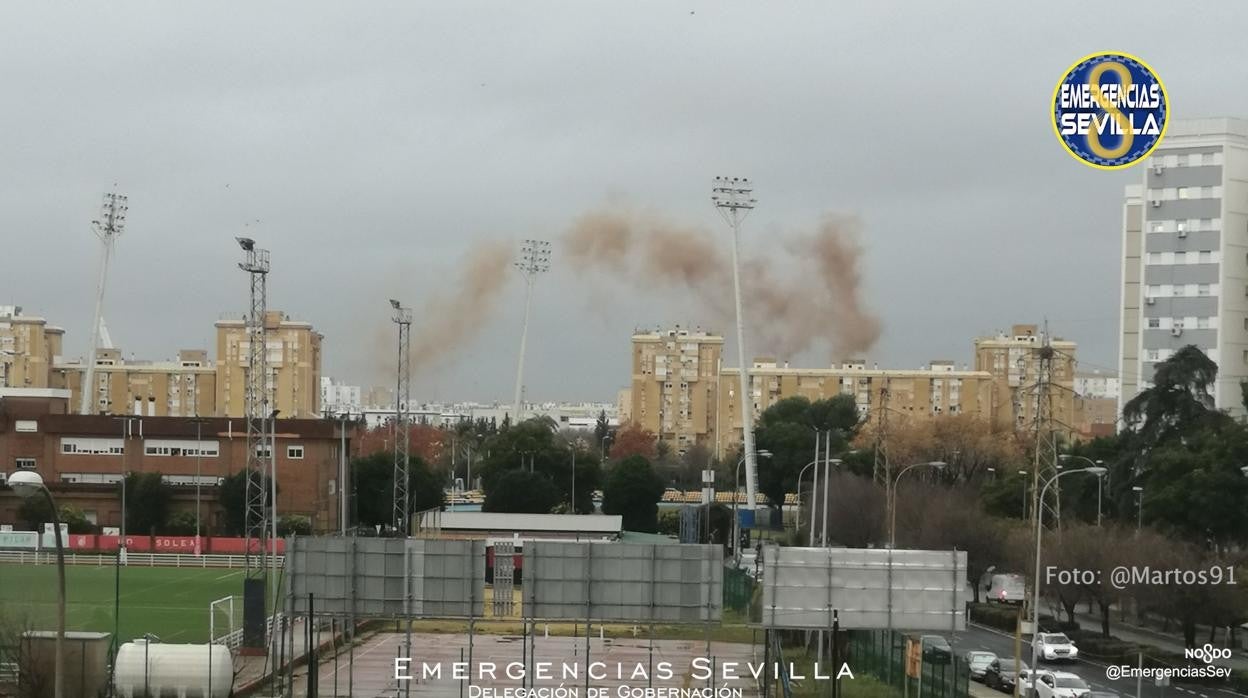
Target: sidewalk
column 1156, row 638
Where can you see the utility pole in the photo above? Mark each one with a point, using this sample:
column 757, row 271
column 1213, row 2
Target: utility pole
column 734, row 197
column 402, row 498
column 534, row 259
column 1045, row 465
column 256, row 395
column 108, row 228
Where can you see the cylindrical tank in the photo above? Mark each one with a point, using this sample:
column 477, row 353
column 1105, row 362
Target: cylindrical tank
column 178, row 671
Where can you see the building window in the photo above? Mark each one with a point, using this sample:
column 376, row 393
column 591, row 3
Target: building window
column 1205, row 256
column 1152, row 354
column 1202, row 289
column 1202, row 323
column 1180, row 258
column 1179, row 290
column 92, row 447
column 1154, row 323
column 294, row 452
column 26, row 426
column 1184, row 193
column 24, row 463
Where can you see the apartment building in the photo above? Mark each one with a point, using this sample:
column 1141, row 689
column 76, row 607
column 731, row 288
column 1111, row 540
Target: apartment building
column 184, row 387
column 1014, row 361
column 675, row 384
column 940, row 388
column 1185, row 257
column 294, row 358
column 28, row 348
column 82, row 457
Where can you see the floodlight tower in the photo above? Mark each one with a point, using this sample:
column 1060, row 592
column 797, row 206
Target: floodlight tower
column 734, row 197
column 108, row 228
column 534, row 259
column 402, row 394
column 256, row 410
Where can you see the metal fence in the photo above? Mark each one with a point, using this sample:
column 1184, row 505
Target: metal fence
column 132, row 559
column 882, row 654
column 738, row 589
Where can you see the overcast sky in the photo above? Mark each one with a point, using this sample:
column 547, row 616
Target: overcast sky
column 369, row 146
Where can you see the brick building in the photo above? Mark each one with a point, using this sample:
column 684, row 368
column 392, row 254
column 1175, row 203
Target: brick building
column 82, row 457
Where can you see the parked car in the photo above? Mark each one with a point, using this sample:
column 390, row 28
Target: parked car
column 936, row 649
column 1052, row 647
column 1003, row 588
column 977, row 662
column 1000, row 674
column 1102, row 694
column 1060, row 684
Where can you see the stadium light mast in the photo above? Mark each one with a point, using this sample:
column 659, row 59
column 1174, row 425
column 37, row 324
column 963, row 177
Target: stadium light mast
column 734, row 197
column 534, row 259
column 402, row 395
column 108, row 228
column 256, row 408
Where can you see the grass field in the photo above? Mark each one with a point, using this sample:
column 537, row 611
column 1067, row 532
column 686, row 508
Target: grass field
column 169, row 602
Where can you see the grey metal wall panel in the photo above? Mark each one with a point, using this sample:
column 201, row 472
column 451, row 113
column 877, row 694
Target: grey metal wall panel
column 1181, row 273
column 1195, row 241
column 1184, row 209
column 1201, row 176
column 443, row 579
column 1185, row 306
column 902, row 589
column 623, row 581
column 1163, row 339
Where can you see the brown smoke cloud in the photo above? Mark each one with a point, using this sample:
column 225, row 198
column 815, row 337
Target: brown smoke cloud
column 805, row 292
column 449, row 319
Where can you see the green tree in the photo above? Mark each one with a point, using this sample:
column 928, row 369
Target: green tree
column 34, row 512
column 1178, row 400
column 294, row 525
column 1194, row 488
column 522, row 492
column 147, row 503
column 787, row 430
column 633, row 490
column 232, row 496
column 373, row 479
column 602, row 428
column 535, row 445
column 181, row 523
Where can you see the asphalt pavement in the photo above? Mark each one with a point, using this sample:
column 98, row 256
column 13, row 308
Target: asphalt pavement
column 981, row 638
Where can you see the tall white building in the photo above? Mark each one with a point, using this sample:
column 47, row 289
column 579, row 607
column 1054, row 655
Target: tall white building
column 338, row 398
column 1185, row 257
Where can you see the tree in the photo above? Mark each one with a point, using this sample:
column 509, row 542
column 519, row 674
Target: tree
column 967, row 444
column 633, row 490
column 602, row 428
column 787, row 430
column 632, row 439
column 522, row 492
column 1096, row 548
column 294, row 525
column 181, row 523
column 1194, row 489
column 373, row 480
column 694, row 460
column 233, row 498
column 147, row 503
column 1178, row 399
column 424, row 441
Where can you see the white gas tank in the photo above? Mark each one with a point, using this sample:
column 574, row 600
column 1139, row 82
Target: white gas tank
column 176, row 671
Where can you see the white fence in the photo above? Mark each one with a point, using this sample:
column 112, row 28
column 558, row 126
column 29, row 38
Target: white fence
column 23, row 557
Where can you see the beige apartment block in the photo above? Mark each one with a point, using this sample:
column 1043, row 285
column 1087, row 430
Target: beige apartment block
column 294, row 358
column 1014, row 361
column 28, row 348
column 185, row 387
column 940, row 388
column 674, row 385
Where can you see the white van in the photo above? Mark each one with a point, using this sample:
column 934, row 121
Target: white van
column 1003, row 588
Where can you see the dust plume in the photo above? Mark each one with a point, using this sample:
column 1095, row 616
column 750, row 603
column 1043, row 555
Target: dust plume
column 447, row 320
column 805, row 292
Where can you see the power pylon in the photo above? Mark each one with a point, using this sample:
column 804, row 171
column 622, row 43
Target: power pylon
column 402, row 508
column 882, row 472
column 1044, row 428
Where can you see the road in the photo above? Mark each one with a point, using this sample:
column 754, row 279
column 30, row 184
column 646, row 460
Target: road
column 981, row 638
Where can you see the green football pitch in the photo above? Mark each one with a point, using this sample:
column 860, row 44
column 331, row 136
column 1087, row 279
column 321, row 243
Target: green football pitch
column 168, row 602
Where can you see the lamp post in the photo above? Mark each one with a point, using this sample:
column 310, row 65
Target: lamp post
column 27, row 484
column 736, row 489
column 199, row 453
column 892, row 505
column 1139, row 507
column 1067, row 457
column 1024, row 474
column 1035, row 593
column 342, row 473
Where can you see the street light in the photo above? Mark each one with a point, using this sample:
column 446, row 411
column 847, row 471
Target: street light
column 1024, row 474
column 892, row 506
column 1035, row 594
column 1067, row 457
column 736, row 488
column 27, row 484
